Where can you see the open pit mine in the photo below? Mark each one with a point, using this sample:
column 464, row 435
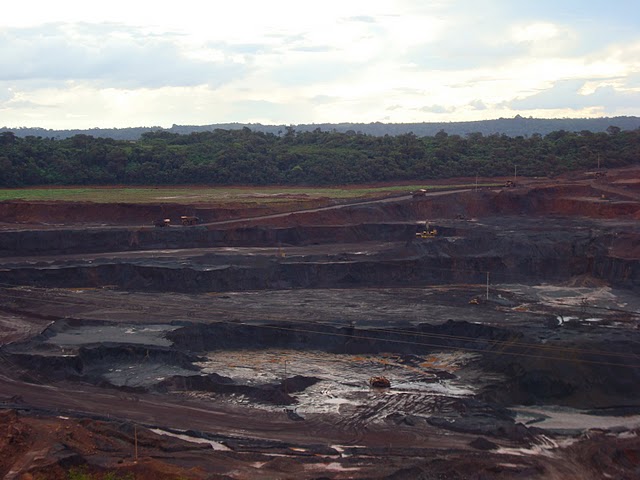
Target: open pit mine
column 473, row 333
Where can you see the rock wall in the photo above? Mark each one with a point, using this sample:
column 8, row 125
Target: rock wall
column 510, row 257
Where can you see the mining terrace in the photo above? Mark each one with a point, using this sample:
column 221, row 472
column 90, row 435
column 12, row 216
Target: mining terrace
column 244, row 347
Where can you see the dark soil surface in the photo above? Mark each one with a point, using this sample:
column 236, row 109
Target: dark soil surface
column 244, row 347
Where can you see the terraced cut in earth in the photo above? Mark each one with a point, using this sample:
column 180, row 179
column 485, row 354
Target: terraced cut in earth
column 248, row 346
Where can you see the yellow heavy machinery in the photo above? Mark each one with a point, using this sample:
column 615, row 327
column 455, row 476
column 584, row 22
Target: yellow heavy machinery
column 427, row 232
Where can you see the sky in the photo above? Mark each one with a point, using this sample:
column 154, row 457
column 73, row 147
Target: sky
column 79, row 64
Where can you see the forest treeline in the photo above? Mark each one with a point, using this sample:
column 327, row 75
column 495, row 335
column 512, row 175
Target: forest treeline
column 512, row 127
column 225, row 157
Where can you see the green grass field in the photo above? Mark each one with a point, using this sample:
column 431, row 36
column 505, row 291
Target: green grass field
column 191, row 194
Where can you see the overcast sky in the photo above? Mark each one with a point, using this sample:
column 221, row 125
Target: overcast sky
column 82, row 64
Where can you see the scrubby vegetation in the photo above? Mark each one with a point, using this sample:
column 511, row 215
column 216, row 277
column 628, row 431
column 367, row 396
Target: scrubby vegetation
column 83, row 474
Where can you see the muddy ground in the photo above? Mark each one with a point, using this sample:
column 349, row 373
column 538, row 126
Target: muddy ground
column 244, row 347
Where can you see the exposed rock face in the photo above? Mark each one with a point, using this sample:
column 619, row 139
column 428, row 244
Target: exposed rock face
column 513, row 251
column 57, row 242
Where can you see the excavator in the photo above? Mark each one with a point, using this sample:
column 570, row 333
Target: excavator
column 427, row 232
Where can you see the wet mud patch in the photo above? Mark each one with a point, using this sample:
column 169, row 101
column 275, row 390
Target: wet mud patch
column 427, row 364
column 76, row 336
column 419, row 384
column 570, row 421
column 140, row 373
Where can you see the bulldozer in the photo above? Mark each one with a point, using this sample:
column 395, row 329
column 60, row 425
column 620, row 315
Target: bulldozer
column 188, row 220
column 427, row 232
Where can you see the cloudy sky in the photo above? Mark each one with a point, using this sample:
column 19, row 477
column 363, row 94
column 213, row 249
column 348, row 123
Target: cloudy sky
column 82, row 64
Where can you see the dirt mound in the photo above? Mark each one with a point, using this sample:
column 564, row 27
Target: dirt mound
column 14, row 439
column 55, row 449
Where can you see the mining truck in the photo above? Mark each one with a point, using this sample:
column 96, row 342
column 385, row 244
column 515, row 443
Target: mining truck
column 162, row 222
column 419, row 193
column 187, row 220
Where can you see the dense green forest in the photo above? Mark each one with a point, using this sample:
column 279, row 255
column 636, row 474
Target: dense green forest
column 223, row 157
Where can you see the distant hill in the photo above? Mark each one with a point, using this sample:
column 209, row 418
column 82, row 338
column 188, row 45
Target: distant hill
column 512, row 127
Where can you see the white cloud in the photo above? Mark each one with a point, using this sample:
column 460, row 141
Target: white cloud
column 570, row 94
column 536, row 32
column 108, row 55
column 545, row 38
column 436, row 109
column 477, row 105
column 80, row 64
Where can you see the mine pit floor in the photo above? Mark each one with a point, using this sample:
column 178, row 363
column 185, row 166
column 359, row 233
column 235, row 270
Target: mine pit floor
column 344, row 386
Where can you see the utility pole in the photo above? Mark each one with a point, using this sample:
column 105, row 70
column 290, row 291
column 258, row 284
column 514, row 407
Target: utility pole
column 487, row 286
column 284, row 382
column 476, row 182
column 515, row 173
column 135, row 436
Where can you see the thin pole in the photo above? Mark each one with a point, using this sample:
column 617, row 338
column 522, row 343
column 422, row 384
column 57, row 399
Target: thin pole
column 135, row 436
column 487, row 286
column 515, row 173
column 284, row 382
column 476, row 182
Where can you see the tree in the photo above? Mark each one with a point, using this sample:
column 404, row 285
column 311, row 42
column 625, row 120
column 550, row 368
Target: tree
column 613, row 130
column 7, row 138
